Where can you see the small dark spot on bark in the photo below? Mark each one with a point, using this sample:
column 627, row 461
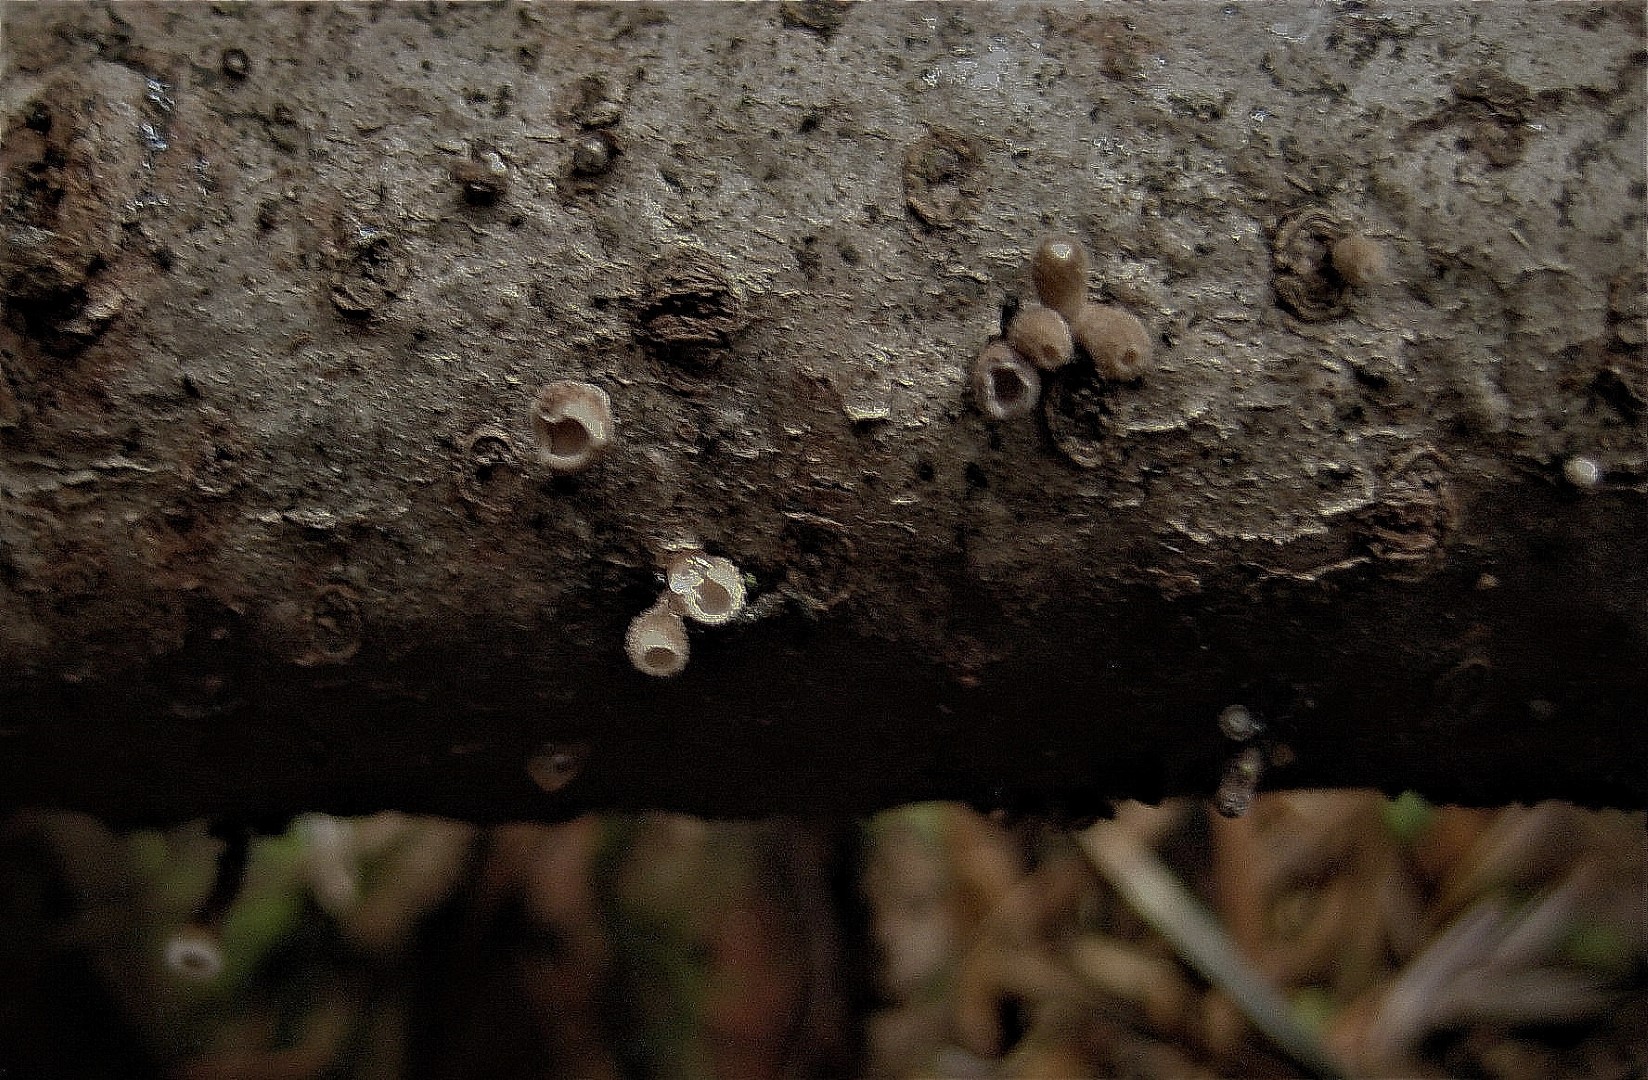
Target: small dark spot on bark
column 942, row 178
column 593, row 153
column 235, row 64
column 1075, row 408
column 1009, row 311
column 1303, row 276
column 595, row 107
column 484, row 178
column 820, row 560
column 822, row 17
column 367, row 274
column 39, row 117
column 1415, row 512
column 489, row 475
column 1612, row 387
column 808, row 258
column 338, row 625
column 689, row 303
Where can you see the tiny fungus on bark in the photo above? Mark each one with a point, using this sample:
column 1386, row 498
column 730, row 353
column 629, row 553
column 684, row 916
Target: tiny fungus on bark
column 484, row 178
column 1238, row 724
column 1058, row 270
column 195, row 953
column 572, row 423
column 657, row 641
column 705, row 588
column 1114, row 339
column 1240, row 782
column 1048, row 335
column 556, row 765
column 235, row 63
column 593, row 153
column 1004, row 384
column 1041, row 336
column 1582, row 472
column 1359, row 261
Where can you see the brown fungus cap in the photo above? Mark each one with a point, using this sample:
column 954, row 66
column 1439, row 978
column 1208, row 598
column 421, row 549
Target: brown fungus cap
column 1058, row 269
column 1114, row 339
column 1041, row 336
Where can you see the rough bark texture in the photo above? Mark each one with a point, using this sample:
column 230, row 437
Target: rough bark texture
column 281, row 283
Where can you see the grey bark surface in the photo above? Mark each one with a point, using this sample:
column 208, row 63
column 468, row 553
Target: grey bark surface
column 274, row 536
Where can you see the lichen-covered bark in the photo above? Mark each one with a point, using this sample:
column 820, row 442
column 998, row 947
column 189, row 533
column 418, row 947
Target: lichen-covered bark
column 281, row 284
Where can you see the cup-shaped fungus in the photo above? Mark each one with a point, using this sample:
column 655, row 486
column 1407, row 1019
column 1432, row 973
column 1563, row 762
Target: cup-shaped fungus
column 572, row 423
column 657, row 641
column 1359, row 261
column 556, row 765
column 1005, row 386
column 1238, row 723
column 1582, row 472
column 705, row 588
column 1113, row 339
column 1041, row 336
column 1058, row 269
column 195, row 953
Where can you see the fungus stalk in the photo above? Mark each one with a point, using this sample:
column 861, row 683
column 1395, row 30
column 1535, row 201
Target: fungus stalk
column 330, row 861
column 195, row 951
column 1239, row 783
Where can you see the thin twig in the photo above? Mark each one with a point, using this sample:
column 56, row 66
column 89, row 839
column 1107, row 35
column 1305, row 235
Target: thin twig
column 1170, row 908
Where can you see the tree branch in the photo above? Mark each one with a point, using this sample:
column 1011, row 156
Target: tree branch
column 281, row 530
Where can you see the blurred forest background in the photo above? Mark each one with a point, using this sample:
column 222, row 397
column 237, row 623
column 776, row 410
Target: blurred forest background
column 1349, row 933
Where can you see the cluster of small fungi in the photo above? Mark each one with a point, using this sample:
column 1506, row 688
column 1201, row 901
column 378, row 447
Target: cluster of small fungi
column 707, row 589
column 1045, row 336
column 1239, row 782
column 573, row 426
